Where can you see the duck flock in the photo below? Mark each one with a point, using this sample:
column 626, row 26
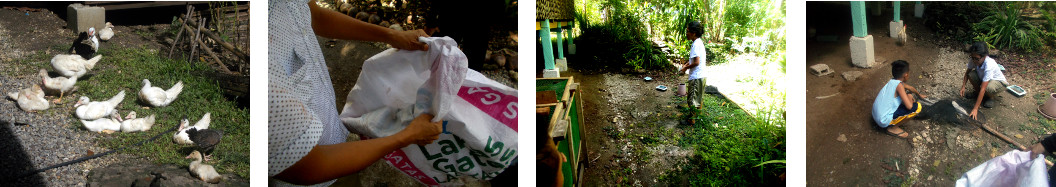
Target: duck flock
column 103, row 116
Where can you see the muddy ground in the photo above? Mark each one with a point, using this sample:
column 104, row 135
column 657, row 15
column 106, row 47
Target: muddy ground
column 629, row 127
column 846, row 148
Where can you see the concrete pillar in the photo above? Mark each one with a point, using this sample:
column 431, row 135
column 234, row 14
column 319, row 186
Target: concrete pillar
column 548, row 54
column 918, row 10
column 898, row 10
column 858, row 18
column 862, row 51
column 80, row 17
column 861, row 43
column 895, row 25
column 560, row 43
column 571, row 46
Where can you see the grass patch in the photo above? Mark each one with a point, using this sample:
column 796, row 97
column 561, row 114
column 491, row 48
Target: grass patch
column 125, row 69
column 728, row 146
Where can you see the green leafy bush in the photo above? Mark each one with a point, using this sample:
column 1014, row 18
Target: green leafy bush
column 1006, row 28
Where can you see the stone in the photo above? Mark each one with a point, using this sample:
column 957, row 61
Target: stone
column 851, row 75
column 551, row 73
column 842, row 138
column 80, row 17
column 139, row 173
column 561, row 64
column 894, row 27
column 918, row 10
column 820, row 69
column 862, row 51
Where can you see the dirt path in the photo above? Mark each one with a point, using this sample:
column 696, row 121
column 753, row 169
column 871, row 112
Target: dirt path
column 619, row 113
column 844, row 146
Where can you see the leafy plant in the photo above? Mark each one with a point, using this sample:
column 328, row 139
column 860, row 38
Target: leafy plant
column 1006, row 29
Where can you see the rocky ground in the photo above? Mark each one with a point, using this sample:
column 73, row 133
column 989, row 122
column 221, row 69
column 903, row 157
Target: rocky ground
column 844, row 146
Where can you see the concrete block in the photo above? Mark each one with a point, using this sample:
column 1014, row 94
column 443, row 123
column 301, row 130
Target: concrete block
column 820, row 69
column 918, row 10
column 862, row 51
column 80, row 17
column 571, row 48
column 894, row 27
column 851, row 75
column 561, row 64
column 551, row 73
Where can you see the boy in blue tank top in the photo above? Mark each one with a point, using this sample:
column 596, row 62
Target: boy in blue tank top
column 894, row 103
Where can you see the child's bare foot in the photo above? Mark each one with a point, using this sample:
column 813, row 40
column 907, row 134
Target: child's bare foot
column 897, row 132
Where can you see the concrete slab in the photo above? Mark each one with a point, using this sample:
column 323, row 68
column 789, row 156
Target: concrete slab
column 862, row 51
column 80, row 17
column 820, row 69
column 918, row 10
column 894, row 27
column 551, row 73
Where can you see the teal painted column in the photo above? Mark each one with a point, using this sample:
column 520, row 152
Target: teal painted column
column 560, row 43
column 898, row 10
column 858, row 18
column 918, row 2
column 548, row 52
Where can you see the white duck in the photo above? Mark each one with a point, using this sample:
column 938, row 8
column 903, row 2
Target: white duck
column 89, row 110
column 30, row 99
column 157, row 97
column 72, row 65
column 203, row 171
column 103, row 125
column 107, row 32
column 181, row 136
column 58, row 84
column 133, row 124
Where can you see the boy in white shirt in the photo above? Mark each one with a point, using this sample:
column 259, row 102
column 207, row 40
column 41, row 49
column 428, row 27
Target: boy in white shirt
column 695, row 65
column 986, row 77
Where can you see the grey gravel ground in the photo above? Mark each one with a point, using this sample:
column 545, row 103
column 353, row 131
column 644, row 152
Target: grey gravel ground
column 36, row 140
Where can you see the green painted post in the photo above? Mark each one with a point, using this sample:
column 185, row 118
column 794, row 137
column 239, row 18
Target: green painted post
column 918, row 2
column 898, row 9
column 858, row 18
column 548, row 52
column 560, row 43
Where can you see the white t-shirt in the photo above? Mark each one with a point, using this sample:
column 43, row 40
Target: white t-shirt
column 697, row 50
column 990, row 70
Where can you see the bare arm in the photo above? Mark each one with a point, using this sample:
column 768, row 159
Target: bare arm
column 332, row 24
column 906, row 100
column 914, row 90
column 328, row 162
column 693, row 63
column 979, row 99
column 964, row 83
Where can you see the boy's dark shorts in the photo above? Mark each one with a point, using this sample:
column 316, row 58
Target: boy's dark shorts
column 902, row 113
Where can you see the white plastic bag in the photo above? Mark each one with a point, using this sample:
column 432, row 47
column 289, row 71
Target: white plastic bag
column 480, row 115
column 1014, row 168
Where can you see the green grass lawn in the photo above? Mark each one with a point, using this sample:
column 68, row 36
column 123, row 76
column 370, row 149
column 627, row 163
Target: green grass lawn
column 729, row 145
column 125, row 69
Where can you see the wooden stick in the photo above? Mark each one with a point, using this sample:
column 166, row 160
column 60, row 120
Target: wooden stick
column 179, row 34
column 210, row 53
column 238, row 53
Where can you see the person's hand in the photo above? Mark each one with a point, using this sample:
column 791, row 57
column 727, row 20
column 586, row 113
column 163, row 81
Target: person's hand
column 974, row 114
column 922, row 96
column 408, row 40
column 962, row 90
column 421, row 131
